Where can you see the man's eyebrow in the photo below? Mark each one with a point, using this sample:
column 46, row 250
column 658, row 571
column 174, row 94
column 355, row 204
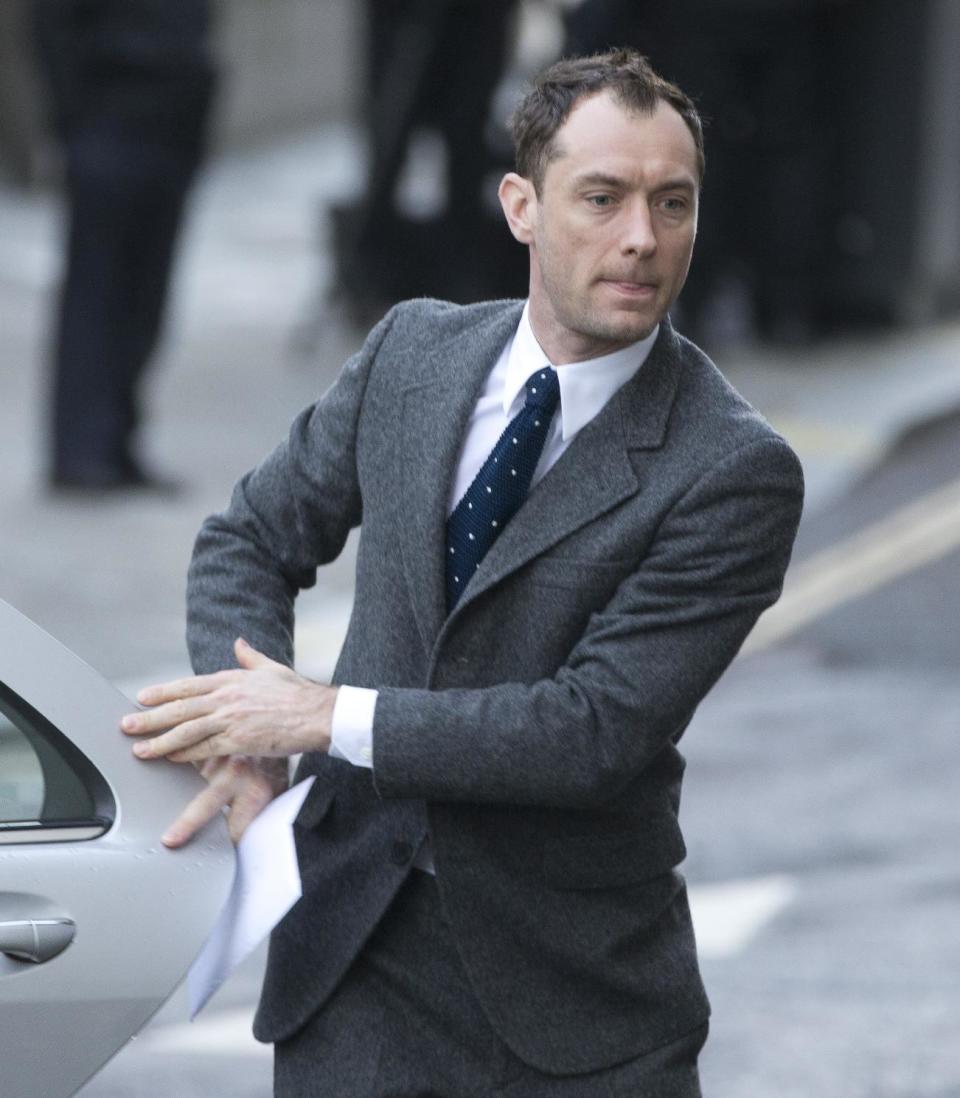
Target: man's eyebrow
column 599, row 179
column 604, row 179
column 680, row 183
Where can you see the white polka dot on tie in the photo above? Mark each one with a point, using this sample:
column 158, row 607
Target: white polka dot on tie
column 456, row 579
column 494, row 523
column 452, row 550
column 514, row 442
column 543, row 376
column 533, row 388
column 536, row 423
column 489, row 489
column 470, row 506
column 513, row 472
column 471, row 537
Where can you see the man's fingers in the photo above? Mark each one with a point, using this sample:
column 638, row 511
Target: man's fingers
column 166, row 716
column 206, row 750
column 247, row 805
column 179, row 688
column 186, row 737
column 199, row 812
column 234, row 782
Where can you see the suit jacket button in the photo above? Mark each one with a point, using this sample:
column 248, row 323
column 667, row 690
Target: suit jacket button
column 401, row 853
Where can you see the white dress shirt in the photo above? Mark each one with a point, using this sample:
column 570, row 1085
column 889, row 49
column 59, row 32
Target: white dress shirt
column 585, row 388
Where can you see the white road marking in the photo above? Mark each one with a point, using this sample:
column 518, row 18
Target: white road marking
column 728, row 914
column 916, row 534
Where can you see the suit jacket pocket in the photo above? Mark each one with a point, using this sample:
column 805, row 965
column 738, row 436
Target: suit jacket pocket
column 618, row 859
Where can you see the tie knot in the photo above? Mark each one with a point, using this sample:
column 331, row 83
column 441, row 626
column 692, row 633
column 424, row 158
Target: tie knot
column 543, row 389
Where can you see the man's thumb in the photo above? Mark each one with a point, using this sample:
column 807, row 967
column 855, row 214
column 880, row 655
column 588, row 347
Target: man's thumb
column 248, row 657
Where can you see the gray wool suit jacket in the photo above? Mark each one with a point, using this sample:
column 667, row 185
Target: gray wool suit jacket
column 534, row 729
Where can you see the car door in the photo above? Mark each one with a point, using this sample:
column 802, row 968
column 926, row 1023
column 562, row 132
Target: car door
column 98, row 921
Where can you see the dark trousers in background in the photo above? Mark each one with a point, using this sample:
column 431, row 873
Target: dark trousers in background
column 130, row 85
column 404, row 1023
column 124, row 217
column 433, row 65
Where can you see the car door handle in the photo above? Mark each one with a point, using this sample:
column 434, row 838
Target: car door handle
column 36, row 940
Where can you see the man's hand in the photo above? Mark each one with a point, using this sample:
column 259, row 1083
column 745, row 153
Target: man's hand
column 244, row 785
column 262, row 709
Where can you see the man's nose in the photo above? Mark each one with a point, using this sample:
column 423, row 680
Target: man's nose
column 638, row 235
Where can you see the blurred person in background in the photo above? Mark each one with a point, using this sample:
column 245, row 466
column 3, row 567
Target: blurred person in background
column 432, row 68
column 569, row 523
column 130, row 88
column 764, row 76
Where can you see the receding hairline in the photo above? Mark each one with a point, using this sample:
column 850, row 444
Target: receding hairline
column 553, row 150
column 556, row 92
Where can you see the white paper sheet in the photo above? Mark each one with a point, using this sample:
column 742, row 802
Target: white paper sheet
column 265, row 887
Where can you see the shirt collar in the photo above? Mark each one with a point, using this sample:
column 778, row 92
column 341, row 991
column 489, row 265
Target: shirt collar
column 585, row 387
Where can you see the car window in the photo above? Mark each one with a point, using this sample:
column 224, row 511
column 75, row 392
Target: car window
column 21, row 779
column 48, row 789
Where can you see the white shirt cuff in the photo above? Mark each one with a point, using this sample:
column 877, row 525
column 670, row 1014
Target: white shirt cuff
column 351, row 729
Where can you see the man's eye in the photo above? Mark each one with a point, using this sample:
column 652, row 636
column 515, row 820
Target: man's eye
column 600, row 200
column 674, row 205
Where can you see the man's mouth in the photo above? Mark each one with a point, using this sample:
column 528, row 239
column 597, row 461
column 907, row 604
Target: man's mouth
column 632, row 288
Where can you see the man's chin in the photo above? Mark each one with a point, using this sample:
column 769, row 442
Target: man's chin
column 606, row 330
column 632, row 327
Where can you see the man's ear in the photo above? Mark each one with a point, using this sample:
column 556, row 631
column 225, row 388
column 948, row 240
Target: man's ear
column 519, row 202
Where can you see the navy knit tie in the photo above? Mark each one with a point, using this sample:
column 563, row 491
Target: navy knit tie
column 501, row 485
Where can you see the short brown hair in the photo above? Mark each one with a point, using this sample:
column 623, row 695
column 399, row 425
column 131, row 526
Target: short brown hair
column 545, row 107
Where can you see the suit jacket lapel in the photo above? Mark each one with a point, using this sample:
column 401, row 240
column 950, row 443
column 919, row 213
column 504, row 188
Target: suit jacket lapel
column 595, row 473
column 435, row 412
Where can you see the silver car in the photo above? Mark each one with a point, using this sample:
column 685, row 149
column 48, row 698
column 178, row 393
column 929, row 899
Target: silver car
column 98, row 921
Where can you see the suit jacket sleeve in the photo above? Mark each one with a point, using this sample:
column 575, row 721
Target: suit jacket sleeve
column 286, row 517
column 632, row 682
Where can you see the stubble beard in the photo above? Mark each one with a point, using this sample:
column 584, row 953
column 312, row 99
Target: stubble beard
column 587, row 319
column 581, row 315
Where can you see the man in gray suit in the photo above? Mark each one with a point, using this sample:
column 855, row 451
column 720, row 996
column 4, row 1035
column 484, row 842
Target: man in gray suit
column 490, row 900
